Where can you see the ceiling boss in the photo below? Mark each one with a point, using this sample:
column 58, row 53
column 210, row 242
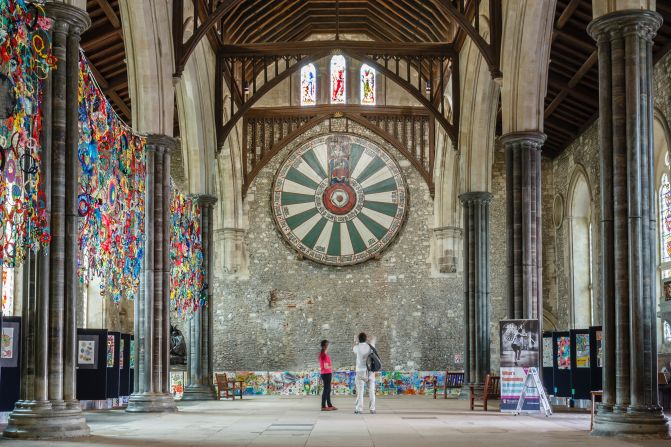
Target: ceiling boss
column 339, row 199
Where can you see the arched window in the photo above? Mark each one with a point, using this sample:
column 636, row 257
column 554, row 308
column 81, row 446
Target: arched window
column 367, row 85
column 308, row 85
column 665, row 217
column 581, row 253
column 338, row 79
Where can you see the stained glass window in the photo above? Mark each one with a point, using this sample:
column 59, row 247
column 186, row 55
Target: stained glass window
column 667, row 331
column 308, row 85
column 367, row 85
column 338, row 79
column 665, row 217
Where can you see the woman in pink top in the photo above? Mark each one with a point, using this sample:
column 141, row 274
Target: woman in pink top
column 325, row 367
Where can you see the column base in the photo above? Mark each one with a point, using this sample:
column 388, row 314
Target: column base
column 199, row 392
column 39, row 420
column 634, row 423
column 151, row 403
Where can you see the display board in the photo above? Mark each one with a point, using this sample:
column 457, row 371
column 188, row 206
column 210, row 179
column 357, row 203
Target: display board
column 581, row 374
column 91, row 364
column 561, row 348
column 124, row 365
column 112, row 364
column 596, row 357
column 520, row 349
column 547, row 369
column 10, row 362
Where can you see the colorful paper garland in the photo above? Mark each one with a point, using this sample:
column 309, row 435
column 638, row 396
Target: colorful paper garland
column 25, row 61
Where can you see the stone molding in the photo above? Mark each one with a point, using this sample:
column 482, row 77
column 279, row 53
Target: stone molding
column 528, row 139
column 162, row 142
column 475, row 196
column 76, row 18
column 644, row 24
column 205, row 200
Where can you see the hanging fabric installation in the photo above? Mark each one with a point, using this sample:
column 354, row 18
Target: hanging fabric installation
column 111, row 198
column 186, row 255
column 25, row 62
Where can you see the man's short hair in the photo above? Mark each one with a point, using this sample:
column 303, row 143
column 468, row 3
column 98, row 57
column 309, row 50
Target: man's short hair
column 362, row 337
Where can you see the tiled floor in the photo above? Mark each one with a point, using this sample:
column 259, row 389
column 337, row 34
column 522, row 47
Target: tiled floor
column 273, row 421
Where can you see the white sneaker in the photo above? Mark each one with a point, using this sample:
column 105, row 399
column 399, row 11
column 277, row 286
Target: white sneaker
column 357, row 412
column 373, row 412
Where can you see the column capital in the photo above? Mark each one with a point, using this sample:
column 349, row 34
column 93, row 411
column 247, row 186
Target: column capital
column 205, row 200
column 644, row 23
column 530, row 139
column 160, row 142
column 475, row 197
column 76, row 18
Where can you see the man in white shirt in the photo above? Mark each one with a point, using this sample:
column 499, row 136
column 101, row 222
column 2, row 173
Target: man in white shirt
column 363, row 376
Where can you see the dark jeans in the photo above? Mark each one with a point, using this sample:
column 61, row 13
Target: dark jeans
column 326, row 395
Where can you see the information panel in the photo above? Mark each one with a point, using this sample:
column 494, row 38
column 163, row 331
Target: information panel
column 519, row 352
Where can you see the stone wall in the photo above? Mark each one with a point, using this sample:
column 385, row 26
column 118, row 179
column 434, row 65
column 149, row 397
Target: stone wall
column 275, row 319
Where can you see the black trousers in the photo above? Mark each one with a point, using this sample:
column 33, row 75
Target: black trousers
column 326, row 395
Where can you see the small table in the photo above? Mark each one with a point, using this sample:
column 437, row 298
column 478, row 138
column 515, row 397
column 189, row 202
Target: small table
column 594, row 394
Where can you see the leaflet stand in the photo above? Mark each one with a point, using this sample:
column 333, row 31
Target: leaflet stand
column 534, row 381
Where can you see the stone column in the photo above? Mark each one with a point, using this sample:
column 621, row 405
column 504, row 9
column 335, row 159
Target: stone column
column 49, row 406
column 628, row 224
column 476, row 288
column 151, row 324
column 523, row 224
column 200, row 385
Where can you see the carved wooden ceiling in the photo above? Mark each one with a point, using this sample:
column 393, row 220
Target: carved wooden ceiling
column 104, row 47
column 572, row 101
column 256, row 21
column 571, row 104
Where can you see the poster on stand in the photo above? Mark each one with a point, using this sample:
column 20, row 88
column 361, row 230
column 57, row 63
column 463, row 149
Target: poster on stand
column 519, row 353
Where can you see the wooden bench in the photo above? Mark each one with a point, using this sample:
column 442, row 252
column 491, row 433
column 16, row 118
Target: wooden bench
column 453, row 380
column 492, row 390
column 594, row 394
column 228, row 387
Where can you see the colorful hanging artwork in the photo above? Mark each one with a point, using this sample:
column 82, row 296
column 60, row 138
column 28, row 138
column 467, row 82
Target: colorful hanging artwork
column 111, row 198
column 308, row 85
column 186, row 255
column 665, row 218
column 25, row 62
column 367, row 85
column 338, row 79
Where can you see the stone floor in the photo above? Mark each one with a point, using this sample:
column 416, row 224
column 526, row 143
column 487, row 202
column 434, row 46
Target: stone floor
column 274, row 421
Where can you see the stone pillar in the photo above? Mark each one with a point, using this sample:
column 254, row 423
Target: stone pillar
column 628, row 224
column 476, row 288
column 523, row 224
column 49, row 406
column 151, row 324
column 200, row 384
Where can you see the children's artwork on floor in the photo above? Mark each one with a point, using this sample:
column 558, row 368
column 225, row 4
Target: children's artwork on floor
column 582, row 350
column 563, row 353
column 256, row 382
column 27, row 59
column 7, row 343
column 306, row 383
column 122, row 342
column 177, row 384
column 547, row 352
column 110, row 351
column 111, row 198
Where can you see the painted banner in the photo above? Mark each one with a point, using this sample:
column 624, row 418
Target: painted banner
column 519, row 352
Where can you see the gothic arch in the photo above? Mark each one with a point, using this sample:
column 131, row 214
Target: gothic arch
column 579, row 216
